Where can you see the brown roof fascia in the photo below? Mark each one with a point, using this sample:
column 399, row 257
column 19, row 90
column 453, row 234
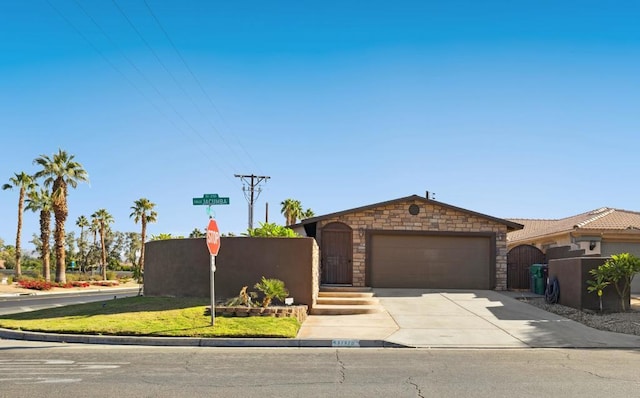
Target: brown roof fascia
column 511, row 226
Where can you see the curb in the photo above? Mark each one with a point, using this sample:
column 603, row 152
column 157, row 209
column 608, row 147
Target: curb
column 195, row 342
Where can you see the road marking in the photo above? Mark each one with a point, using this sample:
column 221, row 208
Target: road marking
column 41, row 371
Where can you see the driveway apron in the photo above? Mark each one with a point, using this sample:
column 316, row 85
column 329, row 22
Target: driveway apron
column 485, row 319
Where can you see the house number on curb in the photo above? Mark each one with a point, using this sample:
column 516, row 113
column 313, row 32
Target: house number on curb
column 345, row 343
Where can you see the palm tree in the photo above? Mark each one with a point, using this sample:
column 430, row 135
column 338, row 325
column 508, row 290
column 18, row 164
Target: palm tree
column 26, row 183
column 291, row 209
column 307, row 214
column 60, row 172
column 196, row 233
column 82, row 223
column 41, row 201
column 143, row 212
column 103, row 219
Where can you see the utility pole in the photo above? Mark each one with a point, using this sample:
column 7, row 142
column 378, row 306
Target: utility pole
column 251, row 191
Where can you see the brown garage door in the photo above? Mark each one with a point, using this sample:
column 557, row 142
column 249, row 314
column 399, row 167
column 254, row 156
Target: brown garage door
column 430, row 261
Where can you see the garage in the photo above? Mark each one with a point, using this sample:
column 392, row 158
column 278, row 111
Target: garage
column 431, row 261
column 411, row 242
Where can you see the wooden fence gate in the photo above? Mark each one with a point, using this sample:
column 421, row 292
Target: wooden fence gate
column 519, row 259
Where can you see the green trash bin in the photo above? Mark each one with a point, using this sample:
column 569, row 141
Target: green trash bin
column 537, row 284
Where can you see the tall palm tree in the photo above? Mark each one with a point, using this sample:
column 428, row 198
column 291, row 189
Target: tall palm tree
column 26, row 183
column 291, row 209
column 143, row 213
column 307, row 214
column 60, row 172
column 103, row 219
column 40, row 200
column 82, row 223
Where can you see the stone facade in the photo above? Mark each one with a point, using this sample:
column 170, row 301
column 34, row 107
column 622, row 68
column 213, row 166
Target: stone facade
column 431, row 217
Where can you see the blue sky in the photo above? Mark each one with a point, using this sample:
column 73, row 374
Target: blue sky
column 524, row 109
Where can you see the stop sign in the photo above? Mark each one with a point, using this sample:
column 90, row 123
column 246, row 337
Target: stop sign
column 213, row 237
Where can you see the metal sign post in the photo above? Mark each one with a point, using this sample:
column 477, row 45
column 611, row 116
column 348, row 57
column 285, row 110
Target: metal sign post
column 213, row 244
column 213, row 295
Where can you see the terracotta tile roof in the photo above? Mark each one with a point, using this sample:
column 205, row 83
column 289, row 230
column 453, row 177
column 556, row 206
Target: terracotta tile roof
column 605, row 218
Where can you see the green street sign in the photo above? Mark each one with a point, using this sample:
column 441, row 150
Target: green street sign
column 210, row 195
column 210, row 201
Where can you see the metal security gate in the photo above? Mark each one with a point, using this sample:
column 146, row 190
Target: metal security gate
column 337, row 254
column 519, row 259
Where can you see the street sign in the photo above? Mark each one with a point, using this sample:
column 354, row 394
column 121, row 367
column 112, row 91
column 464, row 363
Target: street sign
column 213, row 237
column 210, row 200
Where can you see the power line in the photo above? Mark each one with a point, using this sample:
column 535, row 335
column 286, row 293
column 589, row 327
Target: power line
column 135, row 86
column 199, row 84
column 173, row 77
column 251, row 191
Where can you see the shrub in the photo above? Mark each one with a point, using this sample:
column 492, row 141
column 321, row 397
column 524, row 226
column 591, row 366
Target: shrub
column 618, row 271
column 271, row 288
column 35, row 284
column 33, row 274
column 267, row 230
column 111, row 275
column 243, row 298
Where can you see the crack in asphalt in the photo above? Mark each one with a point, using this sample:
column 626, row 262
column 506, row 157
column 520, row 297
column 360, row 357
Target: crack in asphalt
column 341, row 369
column 416, row 386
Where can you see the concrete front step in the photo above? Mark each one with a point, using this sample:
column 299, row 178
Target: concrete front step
column 345, row 300
column 326, row 309
column 344, row 294
column 333, row 300
column 339, row 288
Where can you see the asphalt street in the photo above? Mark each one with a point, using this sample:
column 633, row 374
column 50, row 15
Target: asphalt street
column 57, row 370
column 15, row 304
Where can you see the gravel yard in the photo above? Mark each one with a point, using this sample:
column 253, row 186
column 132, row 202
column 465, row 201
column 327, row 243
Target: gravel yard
column 624, row 322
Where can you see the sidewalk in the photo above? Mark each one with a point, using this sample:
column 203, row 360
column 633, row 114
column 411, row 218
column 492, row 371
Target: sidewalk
column 412, row 318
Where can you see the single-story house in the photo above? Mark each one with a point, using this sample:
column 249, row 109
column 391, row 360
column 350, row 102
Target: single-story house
column 601, row 232
column 411, row 242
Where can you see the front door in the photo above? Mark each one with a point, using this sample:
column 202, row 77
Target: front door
column 337, row 254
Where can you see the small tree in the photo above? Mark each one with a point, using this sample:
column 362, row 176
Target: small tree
column 272, row 288
column 618, row 271
column 598, row 284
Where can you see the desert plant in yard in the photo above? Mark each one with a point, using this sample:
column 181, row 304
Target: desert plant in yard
column 244, row 298
column 619, row 271
column 597, row 284
column 272, row 288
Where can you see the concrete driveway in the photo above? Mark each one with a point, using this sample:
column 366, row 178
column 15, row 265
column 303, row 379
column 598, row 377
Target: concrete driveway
column 466, row 319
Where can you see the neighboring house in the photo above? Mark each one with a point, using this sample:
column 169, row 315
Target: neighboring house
column 603, row 232
column 411, row 242
column 600, row 232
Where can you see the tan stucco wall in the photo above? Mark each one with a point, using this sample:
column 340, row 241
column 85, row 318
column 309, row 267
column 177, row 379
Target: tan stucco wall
column 180, row 267
column 432, row 217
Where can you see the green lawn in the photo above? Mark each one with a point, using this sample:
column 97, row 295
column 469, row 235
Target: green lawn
column 148, row 316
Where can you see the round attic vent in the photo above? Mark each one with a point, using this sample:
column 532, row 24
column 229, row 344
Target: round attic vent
column 414, row 210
